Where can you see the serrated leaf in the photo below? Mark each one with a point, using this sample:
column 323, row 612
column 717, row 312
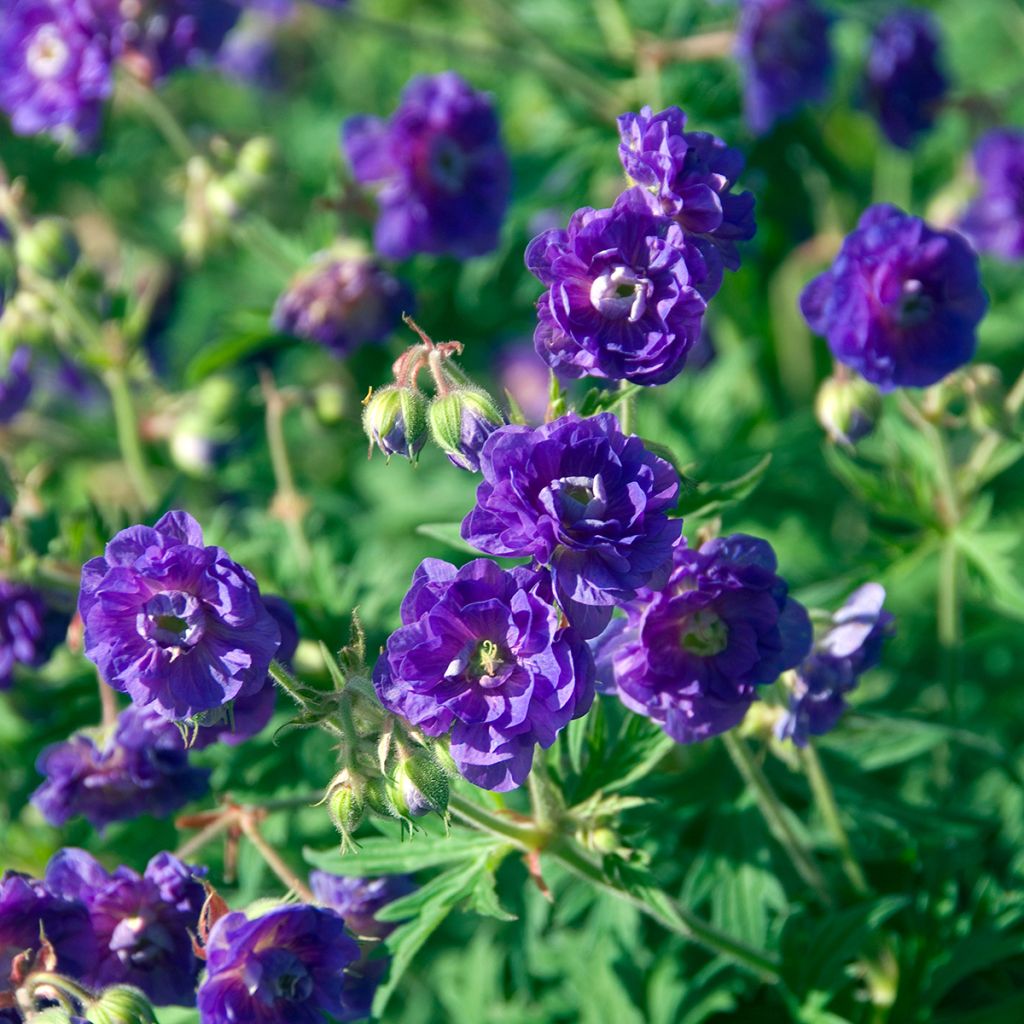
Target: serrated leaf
column 381, row 855
column 484, row 898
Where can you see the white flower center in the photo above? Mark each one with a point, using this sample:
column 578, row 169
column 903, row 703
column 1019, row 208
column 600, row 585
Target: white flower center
column 619, row 293
column 47, row 53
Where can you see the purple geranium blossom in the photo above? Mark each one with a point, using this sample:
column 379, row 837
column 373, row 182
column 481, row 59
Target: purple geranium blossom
column 141, row 767
column 15, row 380
column 851, row 646
column 902, row 301
column 175, row 624
column 691, row 654
column 29, row 630
column 689, row 176
column 786, row 57
column 624, row 295
column 289, row 964
column 482, row 654
column 441, row 168
column 994, row 221
column 579, row 496
column 359, row 899
column 143, row 923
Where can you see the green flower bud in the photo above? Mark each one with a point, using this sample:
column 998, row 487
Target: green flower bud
column 121, row 1004
column 330, row 400
column 345, row 804
column 848, row 408
column 461, row 421
column 395, row 420
column 986, row 398
column 25, row 321
column 256, row 158
column 53, row 1015
column 379, row 799
column 49, row 248
column 420, row 786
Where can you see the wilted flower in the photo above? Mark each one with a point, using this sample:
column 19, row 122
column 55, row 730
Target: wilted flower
column 904, row 80
column 440, row 166
column 784, row 51
column 173, row 623
column 359, row 899
column 289, row 964
column 579, row 496
column 342, row 303
column 141, row 767
column 142, row 923
column 691, row 654
column 482, row 653
column 994, row 221
column 28, row 629
column 689, row 176
column 460, row 423
column 902, row 301
column 395, row 421
column 623, row 299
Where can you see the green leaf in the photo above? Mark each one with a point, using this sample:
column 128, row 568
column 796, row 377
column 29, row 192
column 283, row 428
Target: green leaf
column 447, row 533
column 381, row 855
column 707, row 497
column 484, row 898
column 226, row 353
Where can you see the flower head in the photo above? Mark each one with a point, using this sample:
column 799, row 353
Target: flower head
column 29, row 630
column 141, row 767
column 359, row 899
column 994, row 221
column 342, row 303
column 482, row 654
column 784, row 51
column 440, row 166
column 691, row 654
column 689, row 176
column 901, row 302
column 142, row 923
column 623, row 299
column 851, row 646
column 579, row 496
column 287, row 965
column 904, row 80
column 15, row 382
column 173, row 623
column 395, row 421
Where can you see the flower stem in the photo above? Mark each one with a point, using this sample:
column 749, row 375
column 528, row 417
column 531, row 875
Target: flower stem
column 545, row 799
column 108, row 703
column 825, row 798
column 160, row 115
column 774, row 815
column 627, row 407
column 949, row 614
column 127, row 425
column 274, row 860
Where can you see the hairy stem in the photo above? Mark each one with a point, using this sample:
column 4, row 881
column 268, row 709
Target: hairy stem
column 274, row 860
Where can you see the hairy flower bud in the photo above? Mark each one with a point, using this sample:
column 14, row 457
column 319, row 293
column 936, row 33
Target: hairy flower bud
column 420, row 786
column 345, row 804
column 121, row 1004
column 848, row 408
column 49, row 248
column 461, row 421
column 395, row 421
column 379, row 798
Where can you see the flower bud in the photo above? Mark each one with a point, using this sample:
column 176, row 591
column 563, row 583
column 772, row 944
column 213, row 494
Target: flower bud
column 121, row 1004
column 25, row 321
column 256, row 157
column 330, row 400
column 848, row 408
column 49, row 248
column 420, row 786
column 395, row 420
column 345, row 804
column 379, row 799
column 986, row 397
column 461, row 421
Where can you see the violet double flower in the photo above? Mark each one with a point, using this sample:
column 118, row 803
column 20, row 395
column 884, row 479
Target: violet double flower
column 482, row 654
column 994, row 221
column 28, row 629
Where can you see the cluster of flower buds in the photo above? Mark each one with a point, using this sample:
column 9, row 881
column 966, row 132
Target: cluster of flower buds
column 117, row 1004
column 461, row 416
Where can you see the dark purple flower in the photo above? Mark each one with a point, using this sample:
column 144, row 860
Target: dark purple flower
column 851, row 646
column 526, row 380
column 623, row 299
column 784, row 51
column 359, row 899
column 902, row 301
column 140, row 768
column 440, row 166
column 904, row 82
column 28, row 907
column 15, row 383
column 691, row 654
column 579, row 496
column 173, row 623
column 342, row 303
column 482, row 653
column 143, row 923
column 289, row 964
column 689, row 176
column 28, row 629
column 994, row 221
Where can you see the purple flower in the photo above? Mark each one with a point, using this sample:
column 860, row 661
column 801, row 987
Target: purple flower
column 289, row 965
column 55, row 57
column 784, row 51
column 359, row 899
column 15, row 382
column 525, row 378
column 482, row 653
column 623, row 299
column 143, row 923
column 689, row 177
column 461, row 421
column 441, row 167
column 691, row 654
column 851, row 646
column 28, row 907
column 579, row 496
column 901, row 302
column 173, row 623
column 141, row 768
column 28, row 629
column 342, row 303
column 904, row 82
column 994, row 221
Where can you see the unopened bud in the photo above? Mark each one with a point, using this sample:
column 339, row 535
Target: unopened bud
column 345, row 804
column 121, row 1004
column 848, row 408
column 461, row 421
column 330, row 400
column 421, row 786
column 256, row 157
column 49, row 248
column 395, row 420
column 25, row 321
column 379, row 799
column 986, row 397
